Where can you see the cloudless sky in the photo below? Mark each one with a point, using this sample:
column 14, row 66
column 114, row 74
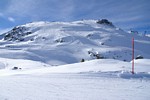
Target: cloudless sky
column 126, row 14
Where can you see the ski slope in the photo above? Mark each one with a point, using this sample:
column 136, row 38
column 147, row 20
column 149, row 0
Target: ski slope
column 42, row 61
column 72, row 86
column 96, row 79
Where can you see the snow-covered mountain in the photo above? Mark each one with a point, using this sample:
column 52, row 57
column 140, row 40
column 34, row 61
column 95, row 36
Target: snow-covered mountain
column 58, row 43
column 40, row 61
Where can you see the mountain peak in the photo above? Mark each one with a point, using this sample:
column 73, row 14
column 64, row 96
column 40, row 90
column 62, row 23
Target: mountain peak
column 105, row 22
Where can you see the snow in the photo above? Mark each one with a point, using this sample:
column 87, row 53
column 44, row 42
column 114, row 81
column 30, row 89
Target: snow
column 72, row 86
column 59, row 43
column 49, row 68
column 97, row 79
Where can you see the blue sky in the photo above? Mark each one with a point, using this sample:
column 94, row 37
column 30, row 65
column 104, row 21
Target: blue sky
column 127, row 14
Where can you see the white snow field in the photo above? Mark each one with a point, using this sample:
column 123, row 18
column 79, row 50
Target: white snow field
column 41, row 61
column 91, row 80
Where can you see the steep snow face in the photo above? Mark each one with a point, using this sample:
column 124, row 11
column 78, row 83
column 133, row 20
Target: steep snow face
column 58, row 43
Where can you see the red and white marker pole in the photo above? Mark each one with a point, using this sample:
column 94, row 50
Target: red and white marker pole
column 132, row 55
